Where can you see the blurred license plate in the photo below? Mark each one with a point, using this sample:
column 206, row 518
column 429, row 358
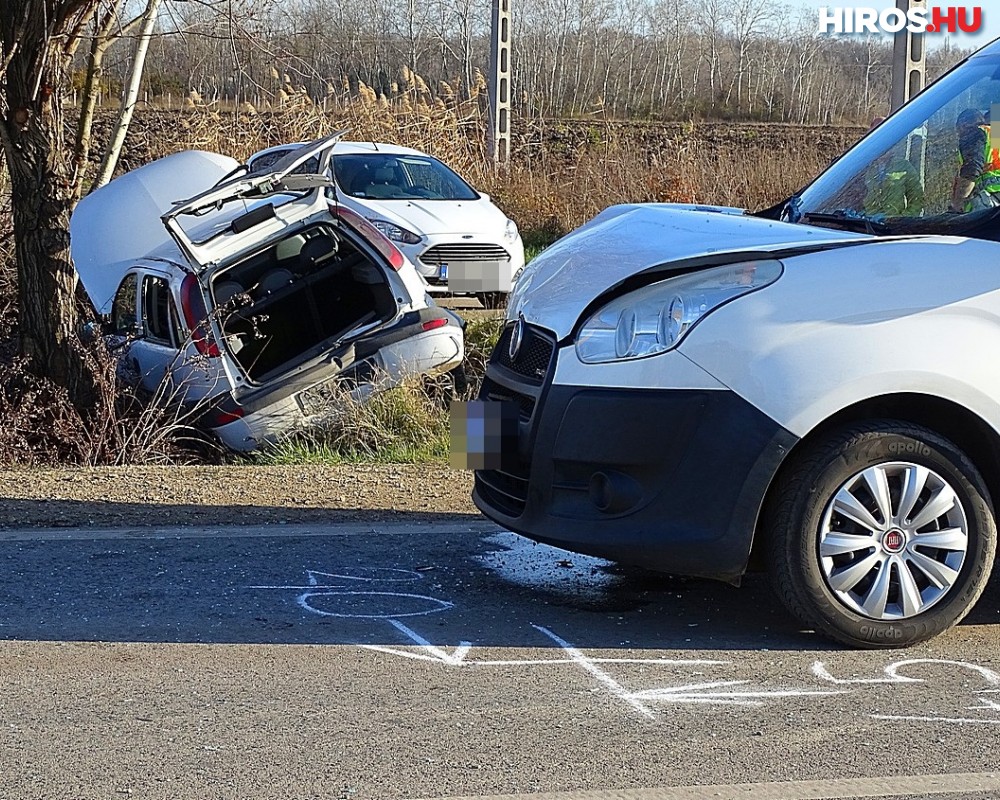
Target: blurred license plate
column 444, row 272
column 483, row 433
column 319, row 399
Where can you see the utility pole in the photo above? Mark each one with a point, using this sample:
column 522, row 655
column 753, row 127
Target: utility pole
column 908, row 59
column 498, row 138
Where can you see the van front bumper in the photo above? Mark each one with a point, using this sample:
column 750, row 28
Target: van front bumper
column 667, row 479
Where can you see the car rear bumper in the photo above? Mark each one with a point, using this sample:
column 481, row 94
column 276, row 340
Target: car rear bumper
column 668, row 479
column 383, row 362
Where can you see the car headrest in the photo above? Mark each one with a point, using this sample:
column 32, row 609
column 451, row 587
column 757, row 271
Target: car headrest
column 318, row 249
column 226, row 291
column 272, row 281
column 290, row 247
column 383, row 175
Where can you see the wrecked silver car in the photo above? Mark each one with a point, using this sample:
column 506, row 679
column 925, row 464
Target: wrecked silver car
column 257, row 297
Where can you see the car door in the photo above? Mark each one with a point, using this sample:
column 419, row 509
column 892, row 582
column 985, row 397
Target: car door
column 145, row 329
column 158, row 349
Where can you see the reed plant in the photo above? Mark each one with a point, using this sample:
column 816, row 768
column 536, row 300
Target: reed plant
column 553, row 183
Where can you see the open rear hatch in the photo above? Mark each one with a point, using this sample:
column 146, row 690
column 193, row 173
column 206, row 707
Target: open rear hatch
column 207, row 245
column 304, row 298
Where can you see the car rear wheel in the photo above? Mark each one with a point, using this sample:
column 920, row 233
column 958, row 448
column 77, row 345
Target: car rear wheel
column 882, row 535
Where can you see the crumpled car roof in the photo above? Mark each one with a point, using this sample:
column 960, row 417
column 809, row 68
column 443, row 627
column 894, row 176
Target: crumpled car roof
column 118, row 224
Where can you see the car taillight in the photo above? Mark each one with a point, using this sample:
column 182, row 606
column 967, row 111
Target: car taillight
column 372, row 235
column 196, row 318
column 223, row 411
column 225, row 417
column 431, row 324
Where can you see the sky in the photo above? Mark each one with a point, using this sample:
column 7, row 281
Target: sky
column 991, row 16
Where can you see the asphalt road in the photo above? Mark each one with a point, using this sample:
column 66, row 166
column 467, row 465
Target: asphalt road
column 441, row 657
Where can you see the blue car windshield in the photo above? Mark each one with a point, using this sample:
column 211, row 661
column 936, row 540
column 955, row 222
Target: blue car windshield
column 931, row 167
column 387, row 176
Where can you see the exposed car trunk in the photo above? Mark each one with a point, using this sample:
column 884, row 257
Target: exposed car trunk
column 298, row 299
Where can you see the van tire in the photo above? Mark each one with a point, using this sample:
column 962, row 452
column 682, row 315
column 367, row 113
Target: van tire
column 801, row 516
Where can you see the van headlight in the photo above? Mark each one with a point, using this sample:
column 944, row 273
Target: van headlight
column 656, row 318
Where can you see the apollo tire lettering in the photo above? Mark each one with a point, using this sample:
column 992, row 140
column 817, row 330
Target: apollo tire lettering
column 908, row 448
column 873, row 634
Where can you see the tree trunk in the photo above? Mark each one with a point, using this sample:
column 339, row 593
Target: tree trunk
column 131, row 97
column 42, row 192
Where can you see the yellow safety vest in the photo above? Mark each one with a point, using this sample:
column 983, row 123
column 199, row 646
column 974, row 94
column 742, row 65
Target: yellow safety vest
column 989, row 181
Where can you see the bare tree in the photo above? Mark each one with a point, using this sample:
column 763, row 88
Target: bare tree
column 38, row 39
column 114, row 147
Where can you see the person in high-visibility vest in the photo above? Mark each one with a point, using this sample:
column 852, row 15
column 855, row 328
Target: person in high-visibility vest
column 977, row 185
column 893, row 188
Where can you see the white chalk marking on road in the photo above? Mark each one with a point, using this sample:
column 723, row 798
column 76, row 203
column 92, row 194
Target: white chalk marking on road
column 610, row 683
column 404, row 653
column 985, row 702
column 437, row 605
column 901, row 785
column 893, row 675
column 313, row 576
column 431, row 652
column 694, row 693
column 364, row 575
column 820, row 671
column 670, row 662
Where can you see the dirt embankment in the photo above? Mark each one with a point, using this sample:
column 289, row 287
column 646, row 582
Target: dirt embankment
column 154, row 132
column 124, row 497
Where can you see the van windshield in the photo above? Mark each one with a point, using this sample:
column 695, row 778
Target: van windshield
column 930, row 168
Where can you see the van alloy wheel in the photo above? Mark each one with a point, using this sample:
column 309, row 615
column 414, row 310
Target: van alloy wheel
column 893, row 540
column 880, row 534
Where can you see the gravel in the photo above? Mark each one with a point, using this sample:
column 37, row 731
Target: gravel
column 232, row 495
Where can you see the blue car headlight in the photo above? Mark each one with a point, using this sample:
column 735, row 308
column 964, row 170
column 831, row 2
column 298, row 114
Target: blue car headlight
column 657, row 317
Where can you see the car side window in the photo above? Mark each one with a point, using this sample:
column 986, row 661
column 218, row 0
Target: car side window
column 124, row 315
column 159, row 314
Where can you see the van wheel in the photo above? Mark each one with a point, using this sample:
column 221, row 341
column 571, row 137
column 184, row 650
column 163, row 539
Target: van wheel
column 492, row 300
column 881, row 536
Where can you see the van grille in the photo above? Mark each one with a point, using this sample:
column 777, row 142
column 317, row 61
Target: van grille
column 533, row 357
column 506, row 492
column 518, row 380
column 495, row 392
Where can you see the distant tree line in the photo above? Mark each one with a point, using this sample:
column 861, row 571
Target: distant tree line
column 669, row 59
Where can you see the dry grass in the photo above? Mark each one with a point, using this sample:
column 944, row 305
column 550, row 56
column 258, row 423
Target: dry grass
column 403, row 424
column 42, row 427
column 559, row 176
column 442, row 124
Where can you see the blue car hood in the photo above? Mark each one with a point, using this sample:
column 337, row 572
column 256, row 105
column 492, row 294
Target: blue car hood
column 624, row 240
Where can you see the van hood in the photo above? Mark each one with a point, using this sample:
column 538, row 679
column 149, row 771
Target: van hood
column 622, row 241
column 431, row 217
